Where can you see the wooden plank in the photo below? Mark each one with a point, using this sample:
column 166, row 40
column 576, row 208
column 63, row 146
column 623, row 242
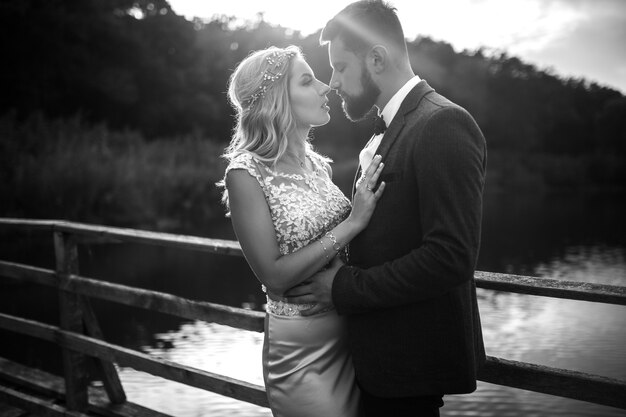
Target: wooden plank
column 27, row 273
column 71, row 319
column 151, row 300
column 218, row 246
column 35, row 404
column 9, row 411
column 110, row 378
column 573, row 290
column 494, row 281
column 99, row 404
column 52, row 386
column 543, row 379
column 240, row 390
column 28, row 224
column 489, row 280
column 40, row 382
column 610, row 294
column 560, row 382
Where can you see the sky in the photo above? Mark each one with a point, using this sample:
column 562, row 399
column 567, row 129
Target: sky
column 573, row 38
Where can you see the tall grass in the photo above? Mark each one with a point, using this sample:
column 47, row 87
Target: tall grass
column 68, row 169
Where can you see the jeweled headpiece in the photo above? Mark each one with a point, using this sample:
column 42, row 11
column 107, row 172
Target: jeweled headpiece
column 276, row 61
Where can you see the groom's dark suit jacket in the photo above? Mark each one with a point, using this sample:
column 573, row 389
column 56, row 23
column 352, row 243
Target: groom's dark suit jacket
column 408, row 290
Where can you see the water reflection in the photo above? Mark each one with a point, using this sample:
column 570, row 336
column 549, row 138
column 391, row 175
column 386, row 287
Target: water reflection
column 604, row 263
column 522, row 231
column 558, row 333
column 577, row 335
column 210, row 347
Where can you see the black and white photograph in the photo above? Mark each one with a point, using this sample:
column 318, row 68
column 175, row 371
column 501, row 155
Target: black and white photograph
column 353, row 208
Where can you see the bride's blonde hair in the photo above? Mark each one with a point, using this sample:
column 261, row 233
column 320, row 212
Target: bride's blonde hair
column 258, row 90
column 261, row 102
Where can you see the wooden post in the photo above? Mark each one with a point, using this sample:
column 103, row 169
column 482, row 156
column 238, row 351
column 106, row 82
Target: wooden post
column 71, row 319
column 110, row 377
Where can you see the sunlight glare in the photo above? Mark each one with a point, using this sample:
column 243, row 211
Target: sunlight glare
column 514, row 25
column 553, row 34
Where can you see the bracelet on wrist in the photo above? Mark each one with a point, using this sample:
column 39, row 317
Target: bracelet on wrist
column 333, row 239
column 324, row 247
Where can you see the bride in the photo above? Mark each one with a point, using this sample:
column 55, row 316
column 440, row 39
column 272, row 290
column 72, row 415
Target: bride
column 291, row 221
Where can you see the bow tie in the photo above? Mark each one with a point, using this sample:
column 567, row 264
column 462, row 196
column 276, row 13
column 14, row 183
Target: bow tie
column 379, row 125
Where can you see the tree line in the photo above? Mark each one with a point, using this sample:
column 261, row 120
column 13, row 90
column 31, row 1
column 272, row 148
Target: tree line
column 137, row 66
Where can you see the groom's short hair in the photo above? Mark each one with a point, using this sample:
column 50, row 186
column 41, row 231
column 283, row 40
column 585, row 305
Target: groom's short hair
column 363, row 24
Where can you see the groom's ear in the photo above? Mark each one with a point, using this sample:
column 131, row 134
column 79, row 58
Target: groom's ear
column 378, row 58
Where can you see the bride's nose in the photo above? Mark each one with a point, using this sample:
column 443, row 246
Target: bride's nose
column 325, row 89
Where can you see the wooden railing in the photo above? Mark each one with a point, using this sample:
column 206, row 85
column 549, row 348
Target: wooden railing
column 80, row 337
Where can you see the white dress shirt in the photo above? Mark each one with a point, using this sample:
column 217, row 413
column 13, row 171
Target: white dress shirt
column 389, row 112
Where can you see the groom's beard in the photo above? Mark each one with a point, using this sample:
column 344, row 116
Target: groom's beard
column 356, row 107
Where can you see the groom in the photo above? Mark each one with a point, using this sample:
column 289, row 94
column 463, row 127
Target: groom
column 408, row 290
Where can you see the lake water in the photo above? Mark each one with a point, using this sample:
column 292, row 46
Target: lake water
column 581, row 238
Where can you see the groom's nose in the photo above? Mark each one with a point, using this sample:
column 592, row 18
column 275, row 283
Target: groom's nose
column 334, row 83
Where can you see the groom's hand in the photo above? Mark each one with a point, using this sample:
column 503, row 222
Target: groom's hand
column 316, row 290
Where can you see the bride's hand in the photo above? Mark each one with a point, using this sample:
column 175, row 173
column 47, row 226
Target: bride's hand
column 366, row 194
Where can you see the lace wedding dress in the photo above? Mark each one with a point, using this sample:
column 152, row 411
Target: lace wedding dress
column 306, row 366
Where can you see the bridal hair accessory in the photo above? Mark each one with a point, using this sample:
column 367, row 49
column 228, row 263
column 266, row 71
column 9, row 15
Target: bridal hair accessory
column 276, row 60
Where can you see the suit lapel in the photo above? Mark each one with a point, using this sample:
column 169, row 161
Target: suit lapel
column 409, row 103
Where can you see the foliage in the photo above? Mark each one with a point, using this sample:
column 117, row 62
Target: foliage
column 66, row 169
column 149, row 89
column 139, row 65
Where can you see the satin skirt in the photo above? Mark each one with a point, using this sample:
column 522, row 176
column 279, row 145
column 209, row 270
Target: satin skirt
column 307, row 368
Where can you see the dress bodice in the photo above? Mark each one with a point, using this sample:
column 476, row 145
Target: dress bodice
column 303, row 206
